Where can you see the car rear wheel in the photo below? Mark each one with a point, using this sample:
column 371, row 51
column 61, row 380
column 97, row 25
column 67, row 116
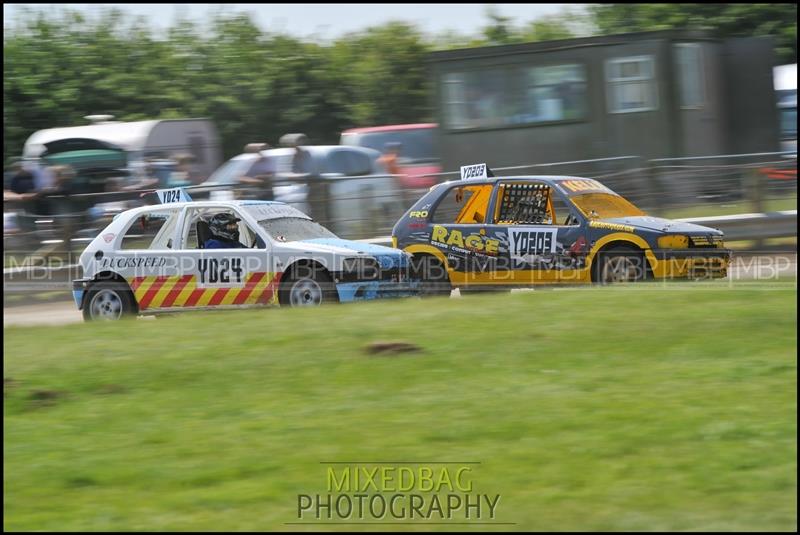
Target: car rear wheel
column 109, row 301
column 620, row 265
column 304, row 290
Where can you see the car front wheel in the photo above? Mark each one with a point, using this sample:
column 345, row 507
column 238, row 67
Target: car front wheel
column 303, row 290
column 108, row 300
column 620, row 265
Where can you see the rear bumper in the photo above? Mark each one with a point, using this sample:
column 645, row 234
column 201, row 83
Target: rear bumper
column 691, row 263
column 367, row 290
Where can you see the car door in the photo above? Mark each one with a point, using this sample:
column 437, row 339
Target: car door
column 538, row 230
column 213, row 278
column 458, row 229
column 145, row 255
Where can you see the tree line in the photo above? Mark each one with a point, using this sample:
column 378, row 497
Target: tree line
column 257, row 85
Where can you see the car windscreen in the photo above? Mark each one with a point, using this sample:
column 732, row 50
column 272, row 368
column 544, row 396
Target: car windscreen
column 416, row 146
column 294, row 228
column 604, row 206
column 230, row 171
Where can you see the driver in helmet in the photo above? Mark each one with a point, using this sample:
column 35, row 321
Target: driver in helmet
column 224, row 229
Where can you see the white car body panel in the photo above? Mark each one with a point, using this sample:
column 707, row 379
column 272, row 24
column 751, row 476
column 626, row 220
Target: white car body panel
column 168, row 278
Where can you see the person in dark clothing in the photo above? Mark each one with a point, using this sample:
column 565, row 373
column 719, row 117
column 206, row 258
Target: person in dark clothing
column 224, row 229
column 23, row 181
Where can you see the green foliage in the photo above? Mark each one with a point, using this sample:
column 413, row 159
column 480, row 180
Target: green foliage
column 61, row 65
column 384, row 75
column 255, row 86
column 726, row 20
column 548, row 29
column 499, row 31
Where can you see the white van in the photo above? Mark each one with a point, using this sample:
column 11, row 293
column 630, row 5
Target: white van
column 157, row 139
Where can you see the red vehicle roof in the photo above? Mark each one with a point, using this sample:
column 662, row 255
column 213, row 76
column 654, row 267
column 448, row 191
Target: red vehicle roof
column 389, row 128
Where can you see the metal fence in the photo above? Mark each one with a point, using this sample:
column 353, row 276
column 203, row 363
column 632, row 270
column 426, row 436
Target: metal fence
column 364, row 207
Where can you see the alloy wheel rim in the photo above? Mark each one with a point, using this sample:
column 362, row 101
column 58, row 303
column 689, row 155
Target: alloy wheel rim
column 106, row 305
column 619, row 269
column 305, row 292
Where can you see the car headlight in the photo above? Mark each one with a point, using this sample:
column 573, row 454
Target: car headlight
column 711, row 240
column 673, row 241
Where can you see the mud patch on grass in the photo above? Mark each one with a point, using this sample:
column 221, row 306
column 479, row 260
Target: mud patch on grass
column 391, row 348
column 45, row 398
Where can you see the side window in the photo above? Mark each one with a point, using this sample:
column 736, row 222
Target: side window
column 524, row 203
column 463, row 204
column 151, row 230
column 362, row 164
column 348, row 163
column 190, row 240
column 561, row 210
column 337, row 162
column 196, row 231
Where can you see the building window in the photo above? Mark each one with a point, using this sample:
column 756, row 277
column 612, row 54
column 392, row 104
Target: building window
column 476, row 99
column 498, row 97
column 554, row 93
column 689, row 60
column 631, row 84
column 454, row 101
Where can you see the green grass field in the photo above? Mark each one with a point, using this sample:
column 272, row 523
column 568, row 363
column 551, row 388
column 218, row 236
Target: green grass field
column 655, row 408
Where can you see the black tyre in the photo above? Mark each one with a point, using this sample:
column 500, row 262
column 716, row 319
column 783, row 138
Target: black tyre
column 617, row 265
column 433, row 276
column 108, row 300
column 307, row 286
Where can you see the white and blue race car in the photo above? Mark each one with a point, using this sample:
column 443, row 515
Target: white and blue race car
column 154, row 259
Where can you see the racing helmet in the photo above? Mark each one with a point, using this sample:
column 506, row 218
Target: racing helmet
column 224, row 225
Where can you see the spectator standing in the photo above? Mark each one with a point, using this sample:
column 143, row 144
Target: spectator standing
column 261, row 175
column 390, row 161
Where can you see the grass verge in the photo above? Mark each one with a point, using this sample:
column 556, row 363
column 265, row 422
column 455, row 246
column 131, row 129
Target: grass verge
column 660, row 408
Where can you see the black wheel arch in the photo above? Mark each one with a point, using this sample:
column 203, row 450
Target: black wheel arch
column 304, row 263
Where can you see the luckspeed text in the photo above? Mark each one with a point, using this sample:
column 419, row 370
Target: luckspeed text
column 359, row 492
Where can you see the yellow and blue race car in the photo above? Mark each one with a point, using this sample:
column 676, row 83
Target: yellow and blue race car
column 501, row 232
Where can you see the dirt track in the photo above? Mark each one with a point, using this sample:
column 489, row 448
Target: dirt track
column 64, row 312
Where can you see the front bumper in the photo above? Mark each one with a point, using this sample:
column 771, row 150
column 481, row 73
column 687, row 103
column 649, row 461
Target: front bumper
column 79, row 287
column 366, row 290
column 690, row 263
